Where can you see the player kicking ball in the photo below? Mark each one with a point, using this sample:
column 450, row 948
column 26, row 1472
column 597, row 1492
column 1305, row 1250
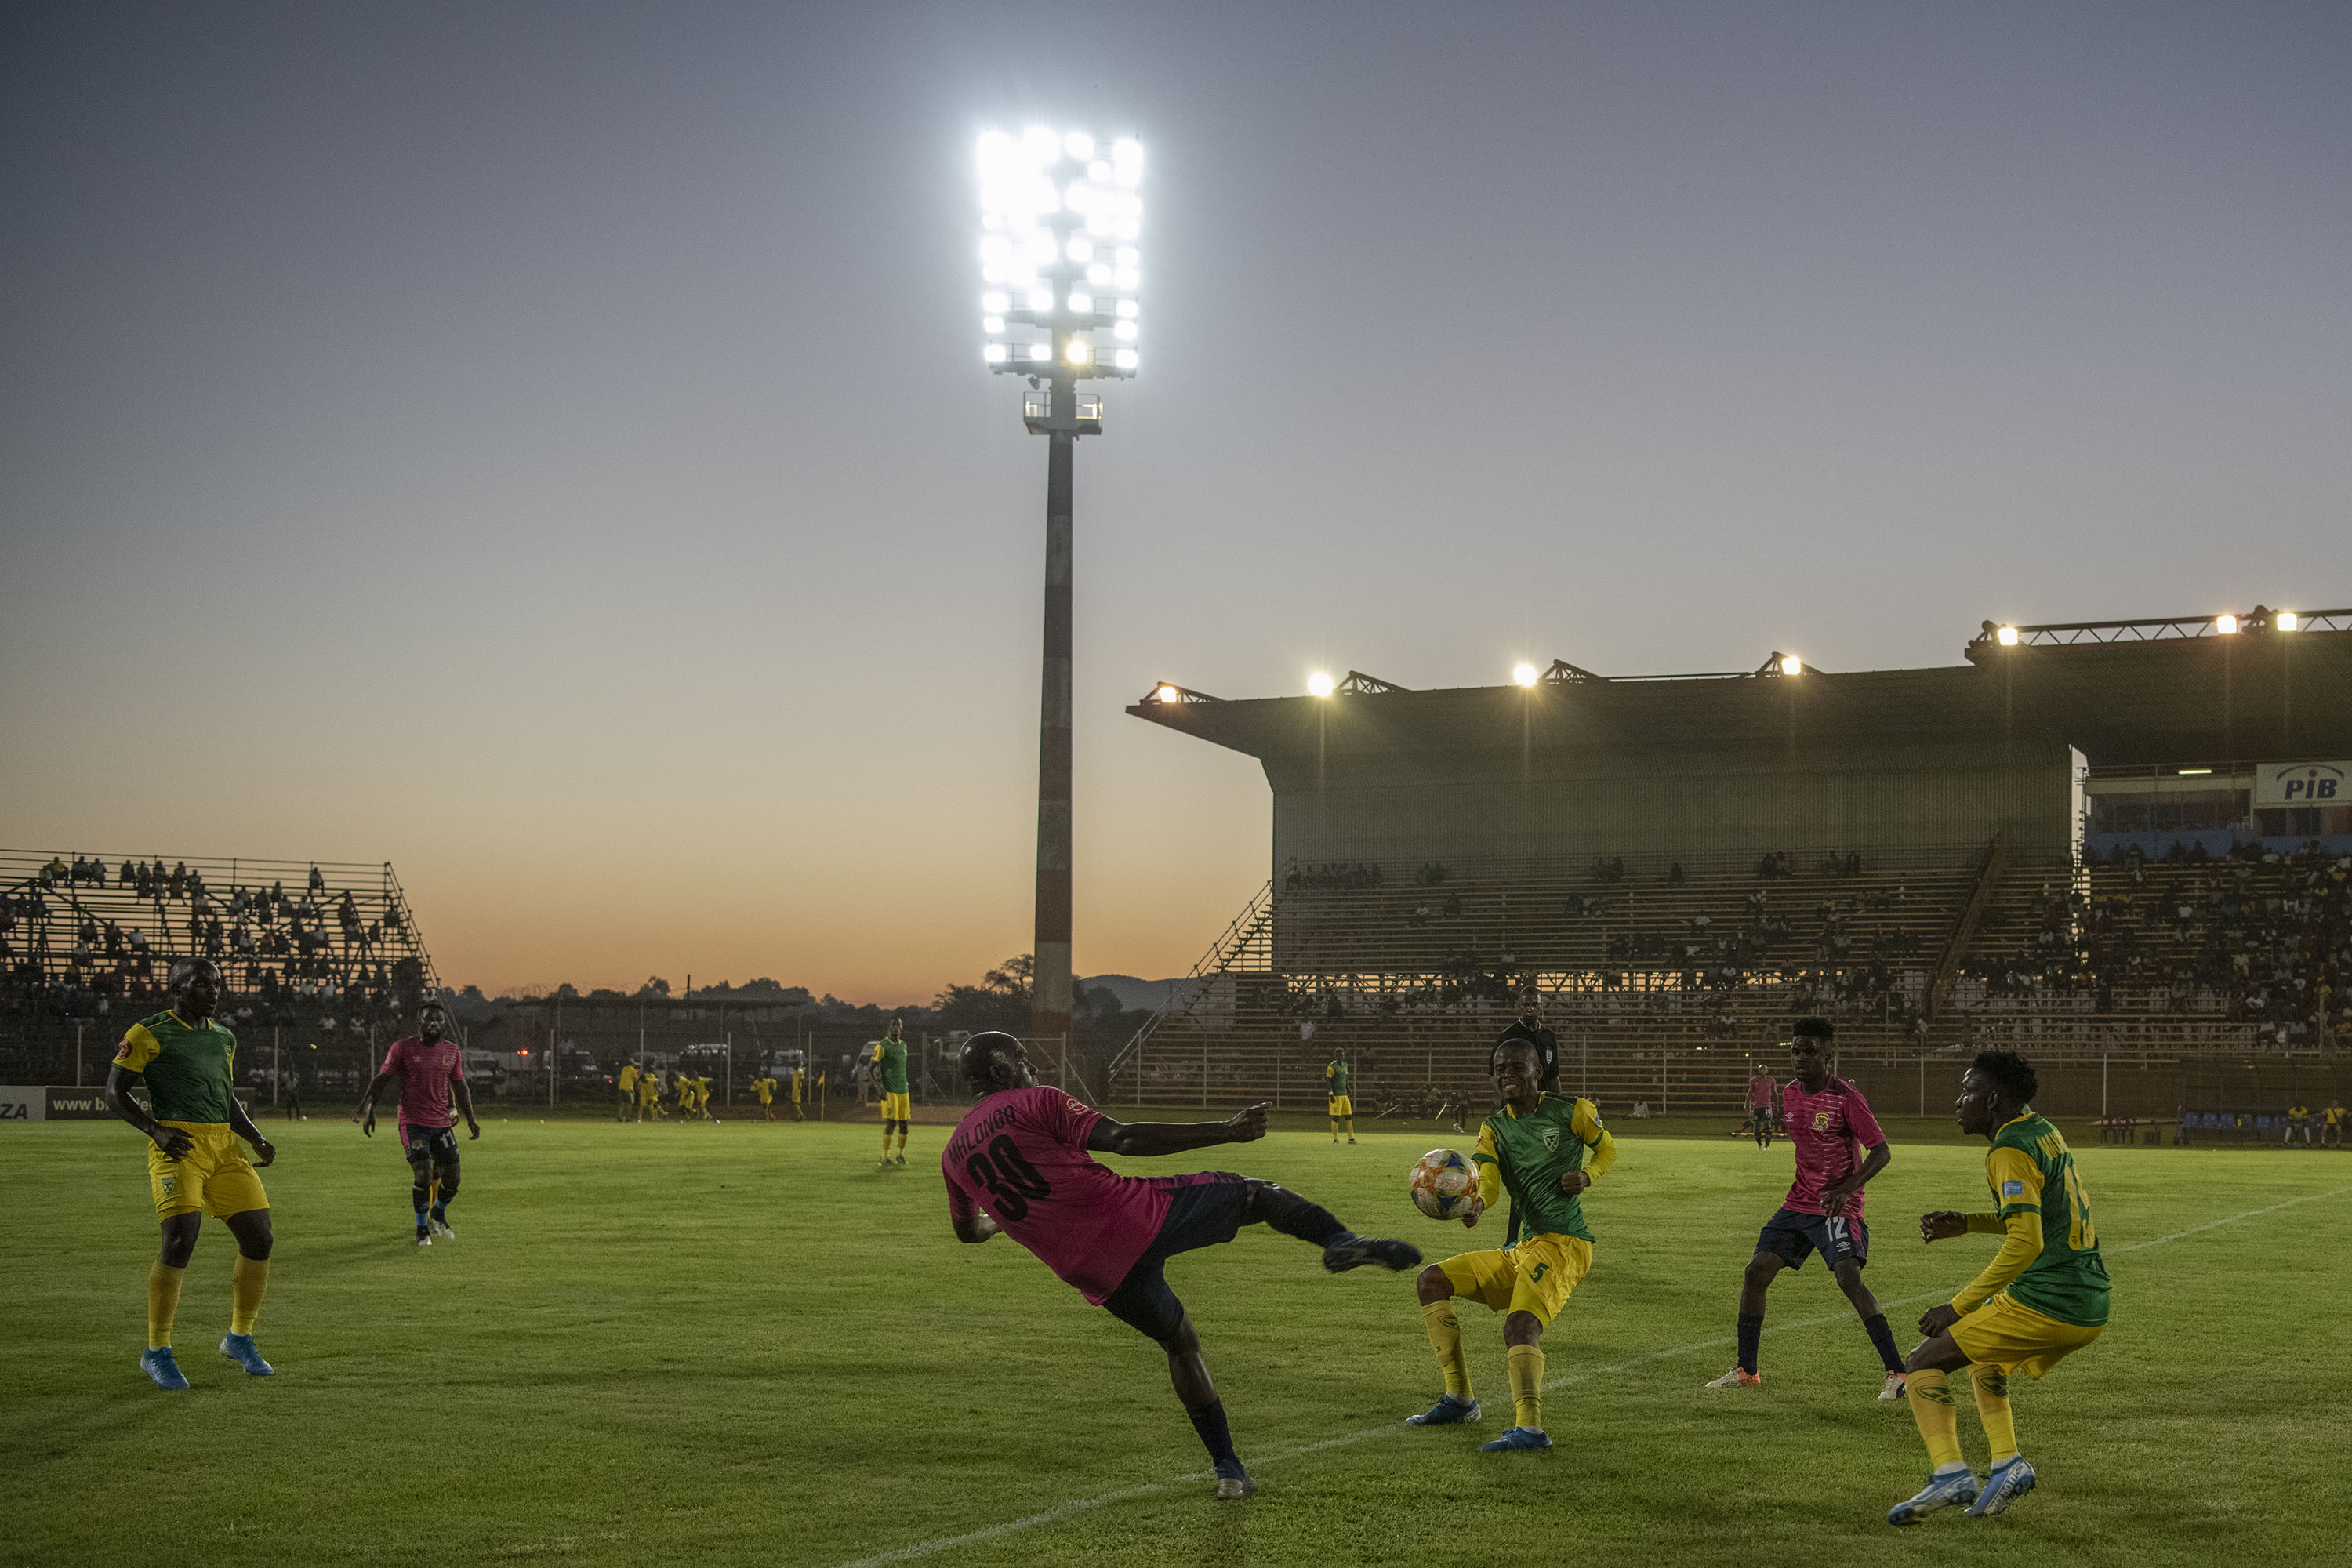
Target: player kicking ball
column 1545, row 1149
column 430, row 1070
column 1021, row 1163
column 1828, row 1120
column 2041, row 1298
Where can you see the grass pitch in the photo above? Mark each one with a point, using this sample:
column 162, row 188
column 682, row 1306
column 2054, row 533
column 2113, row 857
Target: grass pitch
column 740, row 1344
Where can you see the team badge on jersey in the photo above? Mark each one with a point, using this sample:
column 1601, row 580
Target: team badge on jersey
column 1820, row 1120
column 1551, row 1139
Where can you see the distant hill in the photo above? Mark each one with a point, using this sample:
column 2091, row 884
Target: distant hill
column 1132, row 992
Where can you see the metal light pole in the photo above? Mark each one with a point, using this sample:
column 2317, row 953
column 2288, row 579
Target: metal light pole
column 1058, row 255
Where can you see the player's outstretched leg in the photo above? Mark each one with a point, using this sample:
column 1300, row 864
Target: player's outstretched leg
column 1343, row 1249
column 1440, row 1321
column 1847, row 1273
column 1761, row 1269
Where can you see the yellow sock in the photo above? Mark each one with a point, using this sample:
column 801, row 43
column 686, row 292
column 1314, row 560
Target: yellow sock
column 1335, row 1129
column 902, row 1140
column 246, row 1287
column 1444, row 1332
column 162, row 1303
column 1939, row 1418
column 1999, row 1424
column 1526, row 1386
column 1351, row 1130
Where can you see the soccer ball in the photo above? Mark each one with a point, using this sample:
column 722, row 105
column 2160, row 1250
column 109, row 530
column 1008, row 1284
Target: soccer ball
column 1444, row 1182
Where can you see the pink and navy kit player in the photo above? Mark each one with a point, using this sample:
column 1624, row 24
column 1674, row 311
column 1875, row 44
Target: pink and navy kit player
column 1832, row 1131
column 426, row 1073
column 1022, row 1162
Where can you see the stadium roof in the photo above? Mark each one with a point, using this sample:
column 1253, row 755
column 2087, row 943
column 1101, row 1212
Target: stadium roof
column 2125, row 692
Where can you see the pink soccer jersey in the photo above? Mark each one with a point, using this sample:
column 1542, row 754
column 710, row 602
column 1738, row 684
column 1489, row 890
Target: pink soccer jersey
column 1021, row 1155
column 1759, row 1090
column 1829, row 1130
column 424, row 1074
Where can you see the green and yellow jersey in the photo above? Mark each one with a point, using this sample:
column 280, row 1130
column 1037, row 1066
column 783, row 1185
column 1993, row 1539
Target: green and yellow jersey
column 2298, row 1113
column 2334, row 1114
column 189, row 1068
column 627, row 1078
column 1336, row 1075
column 1528, row 1155
column 890, row 1065
column 766, row 1088
column 2051, row 1261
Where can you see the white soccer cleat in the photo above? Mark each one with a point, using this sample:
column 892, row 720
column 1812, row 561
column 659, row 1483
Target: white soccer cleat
column 1739, row 1377
column 2002, row 1487
column 440, row 1227
column 1955, row 1490
column 1896, row 1386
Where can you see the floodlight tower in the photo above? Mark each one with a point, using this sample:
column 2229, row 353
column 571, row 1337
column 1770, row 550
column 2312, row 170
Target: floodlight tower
column 1060, row 219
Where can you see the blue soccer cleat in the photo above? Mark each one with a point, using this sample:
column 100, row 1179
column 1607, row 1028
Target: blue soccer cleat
column 1519, row 1440
column 1941, row 1491
column 1447, row 1411
column 2002, row 1487
column 159, row 1365
column 239, row 1349
column 1352, row 1251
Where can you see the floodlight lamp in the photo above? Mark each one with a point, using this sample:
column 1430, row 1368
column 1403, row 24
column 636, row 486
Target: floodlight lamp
column 1078, row 144
column 995, row 247
column 1128, row 255
column 1125, row 359
column 1040, row 247
column 994, row 353
column 1320, row 685
column 1040, row 353
column 1099, row 274
column 2286, row 620
column 1126, row 308
column 1079, row 354
column 991, row 325
column 1791, row 665
column 1040, row 144
column 2226, row 625
column 1082, row 302
column 1124, row 331
column 1167, row 694
column 1523, row 674
column 1098, row 171
column 1129, row 228
column 1080, row 249
column 2006, row 636
column 1127, row 278
column 1041, row 298
column 995, row 304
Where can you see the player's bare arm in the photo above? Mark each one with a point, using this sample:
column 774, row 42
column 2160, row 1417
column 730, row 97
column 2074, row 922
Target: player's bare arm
column 465, row 1097
column 1944, row 1224
column 119, row 1079
column 265, row 1152
column 1835, row 1195
column 365, row 1114
column 1110, row 1137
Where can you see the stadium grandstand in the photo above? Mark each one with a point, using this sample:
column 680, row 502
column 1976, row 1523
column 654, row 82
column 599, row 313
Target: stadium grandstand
column 323, row 949
column 2120, row 846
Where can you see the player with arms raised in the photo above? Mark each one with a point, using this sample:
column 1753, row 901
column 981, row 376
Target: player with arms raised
column 1021, row 1163
column 189, row 1062
column 430, row 1070
column 1827, row 1120
column 1545, row 1149
column 2041, row 1298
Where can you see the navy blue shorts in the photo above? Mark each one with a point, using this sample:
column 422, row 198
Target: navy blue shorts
column 432, row 1145
column 1202, row 1211
column 1794, row 1237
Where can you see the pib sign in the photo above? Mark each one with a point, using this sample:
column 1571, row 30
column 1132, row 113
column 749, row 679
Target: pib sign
column 2303, row 784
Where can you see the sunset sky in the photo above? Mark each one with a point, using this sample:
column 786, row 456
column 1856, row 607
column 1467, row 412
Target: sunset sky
column 546, row 446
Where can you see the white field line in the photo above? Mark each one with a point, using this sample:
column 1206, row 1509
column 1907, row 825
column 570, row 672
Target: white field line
column 1060, row 1511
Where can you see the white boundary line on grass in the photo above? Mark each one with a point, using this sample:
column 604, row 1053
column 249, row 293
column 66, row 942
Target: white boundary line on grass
column 1060, row 1511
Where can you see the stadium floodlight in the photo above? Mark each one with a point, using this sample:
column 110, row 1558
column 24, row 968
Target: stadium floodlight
column 1167, row 694
column 1524, row 674
column 2006, row 636
column 1791, row 665
column 2226, row 625
column 1320, row 684
column 2186, row 772
column 1061, row 215
column 2286, row 620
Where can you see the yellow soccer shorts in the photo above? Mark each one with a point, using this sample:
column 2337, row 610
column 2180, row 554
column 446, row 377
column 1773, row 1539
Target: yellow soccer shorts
column 1342, row 1106
column 1534, row 1277
column 897, row 1108
column 2015, row 1337
column 213, row 1178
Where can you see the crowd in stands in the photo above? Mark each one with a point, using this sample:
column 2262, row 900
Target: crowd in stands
column 1333, row 875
